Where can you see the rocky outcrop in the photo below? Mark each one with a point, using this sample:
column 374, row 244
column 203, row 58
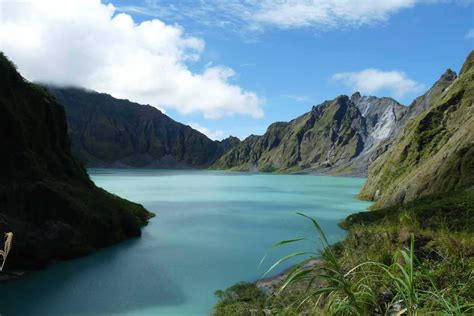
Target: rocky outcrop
column 46, row 198
column 434, row 152
column 109, row 132
column 341, row 136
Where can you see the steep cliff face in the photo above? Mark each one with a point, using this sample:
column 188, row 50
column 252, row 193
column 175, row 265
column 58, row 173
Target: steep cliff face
column 383, row 118
column 109, row 132
column 46, row 198
column 434, row 153
column 336, row 137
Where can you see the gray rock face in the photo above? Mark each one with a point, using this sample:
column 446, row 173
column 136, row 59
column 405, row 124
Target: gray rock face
column 382, row 116
column 391, row 123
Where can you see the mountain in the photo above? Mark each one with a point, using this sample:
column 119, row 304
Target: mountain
column 46, row 198
column 340, row 136
column 434, row 152
column 108, row 132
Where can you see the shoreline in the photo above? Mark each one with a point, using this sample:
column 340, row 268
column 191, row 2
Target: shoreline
column 305, row 172
column 271, row 282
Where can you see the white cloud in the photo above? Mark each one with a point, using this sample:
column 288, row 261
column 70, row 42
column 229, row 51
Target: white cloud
column 470, row 34
column 303, row 13
column 86, row 43
column 257, row 15
column 214, row 135
column 371, row 81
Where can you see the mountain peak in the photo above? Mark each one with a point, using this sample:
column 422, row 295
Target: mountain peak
column 356, row 96
column 443, row 82
column 449, row 75
column 468, row 64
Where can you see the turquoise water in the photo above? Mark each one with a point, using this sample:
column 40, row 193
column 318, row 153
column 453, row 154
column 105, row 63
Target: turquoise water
column 211, row 230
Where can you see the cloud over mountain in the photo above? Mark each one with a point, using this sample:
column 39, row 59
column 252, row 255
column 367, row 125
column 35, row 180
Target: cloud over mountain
column 87, row 43
column 371, row 81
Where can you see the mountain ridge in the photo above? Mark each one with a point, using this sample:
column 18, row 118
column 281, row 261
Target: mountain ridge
column 328, row 139
column 110, row 132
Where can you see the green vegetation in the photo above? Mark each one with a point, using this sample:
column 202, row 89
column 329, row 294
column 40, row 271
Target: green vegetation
column 46, row 197
column 453, row 211
column 240, row 299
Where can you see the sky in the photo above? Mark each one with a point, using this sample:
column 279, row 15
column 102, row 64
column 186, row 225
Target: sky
column 229, row 67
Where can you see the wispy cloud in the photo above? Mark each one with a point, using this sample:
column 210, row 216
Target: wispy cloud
column 295, row 97
column 255, row 16
column 214, row 135
column 327, row 13
column 371, row 81
column 248, row 65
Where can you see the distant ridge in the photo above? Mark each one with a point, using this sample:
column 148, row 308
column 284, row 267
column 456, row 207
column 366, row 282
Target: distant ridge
column 341, row 136
column 109, row 132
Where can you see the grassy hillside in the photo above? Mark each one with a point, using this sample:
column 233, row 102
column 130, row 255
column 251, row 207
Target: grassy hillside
column 46, row 198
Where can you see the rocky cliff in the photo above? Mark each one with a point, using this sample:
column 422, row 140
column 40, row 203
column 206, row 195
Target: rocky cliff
column 108, row 132
column 434, row 152
column 341, row 136
column 46, row 198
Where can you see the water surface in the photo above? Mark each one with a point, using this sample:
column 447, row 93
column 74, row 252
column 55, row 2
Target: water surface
column 211, row 230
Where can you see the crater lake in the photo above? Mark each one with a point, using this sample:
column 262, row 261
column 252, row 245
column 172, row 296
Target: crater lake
column 211, row 230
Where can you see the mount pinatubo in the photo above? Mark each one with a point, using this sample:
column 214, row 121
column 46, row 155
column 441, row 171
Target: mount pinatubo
column 412, row 253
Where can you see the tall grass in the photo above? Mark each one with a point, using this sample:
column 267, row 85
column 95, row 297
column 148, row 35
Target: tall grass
column 402, row 287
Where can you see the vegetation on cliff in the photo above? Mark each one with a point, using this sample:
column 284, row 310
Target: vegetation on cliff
column 435, row 152
column 336, row 137
column 46, row 197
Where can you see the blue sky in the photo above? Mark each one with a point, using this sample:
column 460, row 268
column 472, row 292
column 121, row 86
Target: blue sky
column 292, row 68
column 271, row 64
